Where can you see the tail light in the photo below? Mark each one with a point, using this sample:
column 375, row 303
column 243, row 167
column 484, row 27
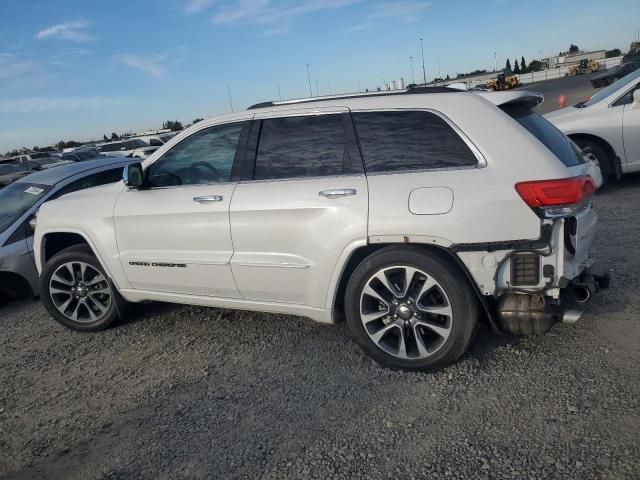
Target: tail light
column 557, row 198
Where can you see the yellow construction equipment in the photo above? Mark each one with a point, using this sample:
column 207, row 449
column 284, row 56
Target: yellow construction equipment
column 503, row 82
column 584, row 67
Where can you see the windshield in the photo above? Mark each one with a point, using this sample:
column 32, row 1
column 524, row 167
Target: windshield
column 545, row 132
column 111, row 147
column 137, row 143
column 611, row 89
column 16, row 199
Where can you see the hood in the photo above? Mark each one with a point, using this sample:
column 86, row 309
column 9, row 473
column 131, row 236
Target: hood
column 562, row 114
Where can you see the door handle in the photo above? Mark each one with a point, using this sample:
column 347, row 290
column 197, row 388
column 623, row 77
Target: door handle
column 338, row 193
column 208, row 199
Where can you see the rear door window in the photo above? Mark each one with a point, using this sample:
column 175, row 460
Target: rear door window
column 305, row 146
column 410, row 140
column 552, row 138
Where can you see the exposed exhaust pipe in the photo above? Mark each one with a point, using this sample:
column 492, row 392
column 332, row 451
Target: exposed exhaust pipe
column 571, row 316
column 581, row 293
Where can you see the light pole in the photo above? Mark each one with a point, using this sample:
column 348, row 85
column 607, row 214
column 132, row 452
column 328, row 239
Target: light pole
column 230, row 102
column 439, row 74
column 317, row 89
column 279, row 95
column 359, row 89
column 413, row 76
column 424, row 70
column 309, row 78
column 495, row 61
column 330, row 89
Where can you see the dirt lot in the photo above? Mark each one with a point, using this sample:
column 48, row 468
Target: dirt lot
column 187, row 392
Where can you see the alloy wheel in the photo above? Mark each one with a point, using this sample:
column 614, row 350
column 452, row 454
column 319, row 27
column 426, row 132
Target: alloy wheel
column 406, row 312
column 80, row 292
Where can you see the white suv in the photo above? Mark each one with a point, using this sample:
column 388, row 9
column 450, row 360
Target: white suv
column 411, row 214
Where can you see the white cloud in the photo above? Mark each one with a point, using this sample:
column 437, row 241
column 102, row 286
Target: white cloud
column 281, row 13
column 150, row 65
column 195, row 6
column 43, row 104
column 405, row 10
column 75, row 31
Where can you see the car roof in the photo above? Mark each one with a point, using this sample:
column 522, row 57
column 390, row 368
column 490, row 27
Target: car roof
column 56, row 175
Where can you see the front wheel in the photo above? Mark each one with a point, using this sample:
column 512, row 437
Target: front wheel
column 77, row 292
column 410, row 309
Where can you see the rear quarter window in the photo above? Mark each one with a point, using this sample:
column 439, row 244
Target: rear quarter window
column 410, row 140
column 552, row 138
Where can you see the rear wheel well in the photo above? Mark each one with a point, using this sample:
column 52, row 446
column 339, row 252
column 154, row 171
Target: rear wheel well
column 14, row 286
column 54, row 243
column 359, row 255
column 611, row 154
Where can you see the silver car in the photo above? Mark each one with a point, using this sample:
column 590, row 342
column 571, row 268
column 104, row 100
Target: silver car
column 19, row 204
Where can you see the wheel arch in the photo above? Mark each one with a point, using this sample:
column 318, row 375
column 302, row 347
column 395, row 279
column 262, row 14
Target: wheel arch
column 614, row 158
column 54, row 242
column 360, row 254
column 19, row 286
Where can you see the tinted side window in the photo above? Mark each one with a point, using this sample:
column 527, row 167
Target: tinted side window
column 310, row 146
column 410, row 140
column 205, row 157
column 101, row 178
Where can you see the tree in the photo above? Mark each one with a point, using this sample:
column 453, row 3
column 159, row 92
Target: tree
column 173, row 125
column 613, row 53
column 508, row 65
column 535, row 66
column 197, row 120
column 105, row 138
column 114, row 136
column 448, row 77
column 523, row 65
column 574, row 48
column 516, row 67
column 35, row 148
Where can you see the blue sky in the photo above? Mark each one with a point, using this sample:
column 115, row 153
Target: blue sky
column 75, row 69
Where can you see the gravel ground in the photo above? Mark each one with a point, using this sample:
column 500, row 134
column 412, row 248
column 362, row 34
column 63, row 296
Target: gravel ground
column 190, row 392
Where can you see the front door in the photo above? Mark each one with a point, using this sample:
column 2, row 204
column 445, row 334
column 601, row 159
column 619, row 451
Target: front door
column 631, row 132
column 305, row 203
column 173, row 236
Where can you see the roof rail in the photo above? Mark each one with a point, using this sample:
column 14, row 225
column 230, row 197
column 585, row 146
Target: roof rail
column 408, row 91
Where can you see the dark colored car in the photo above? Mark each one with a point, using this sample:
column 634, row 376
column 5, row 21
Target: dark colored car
column 613, row 74
column 19, row 203
column 81, row 156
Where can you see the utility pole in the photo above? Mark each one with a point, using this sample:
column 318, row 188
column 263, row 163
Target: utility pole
column 230, row 102
column 424, row 70
column 317, row 89
column 279, row 95
column 309, row 78
column 413, row 76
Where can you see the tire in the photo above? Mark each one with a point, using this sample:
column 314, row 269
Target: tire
column 600, row 155
column 388, row 330
column 93, row 303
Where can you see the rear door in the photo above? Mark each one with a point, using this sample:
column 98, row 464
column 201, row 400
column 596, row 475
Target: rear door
column 303, row 203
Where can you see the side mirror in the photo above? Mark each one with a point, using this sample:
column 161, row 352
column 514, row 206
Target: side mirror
column 133, row 175
column 636, row 99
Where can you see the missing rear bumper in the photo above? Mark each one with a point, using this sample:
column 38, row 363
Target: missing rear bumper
column 535, row 314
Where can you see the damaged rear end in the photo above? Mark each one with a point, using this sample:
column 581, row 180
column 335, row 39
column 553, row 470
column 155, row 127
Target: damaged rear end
column 538, row 283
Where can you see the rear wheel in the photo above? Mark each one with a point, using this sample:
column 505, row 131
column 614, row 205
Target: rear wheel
column 77, row 292
column 599, row 155
column 411, row 310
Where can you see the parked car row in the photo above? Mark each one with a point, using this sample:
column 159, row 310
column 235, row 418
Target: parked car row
column 613, row 74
